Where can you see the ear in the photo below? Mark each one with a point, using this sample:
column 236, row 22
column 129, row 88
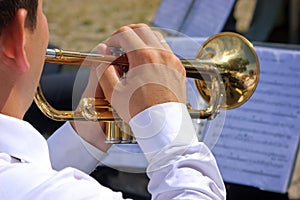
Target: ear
column 13, row 40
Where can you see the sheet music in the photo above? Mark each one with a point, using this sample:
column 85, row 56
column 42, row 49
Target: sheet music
column 259, row 141
column 171, row 14
column 207, row 17
column 200, row 18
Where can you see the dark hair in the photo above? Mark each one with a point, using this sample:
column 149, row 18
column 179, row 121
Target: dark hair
column 8, row 9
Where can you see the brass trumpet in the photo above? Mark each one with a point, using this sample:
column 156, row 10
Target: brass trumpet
column 226, row 72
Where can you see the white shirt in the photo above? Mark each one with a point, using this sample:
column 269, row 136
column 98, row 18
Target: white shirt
column 179, row 166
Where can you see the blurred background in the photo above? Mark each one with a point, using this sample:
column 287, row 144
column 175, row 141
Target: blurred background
column 81, row 25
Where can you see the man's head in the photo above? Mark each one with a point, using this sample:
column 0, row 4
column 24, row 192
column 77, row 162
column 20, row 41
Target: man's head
column 23, row 42
column 8, row 9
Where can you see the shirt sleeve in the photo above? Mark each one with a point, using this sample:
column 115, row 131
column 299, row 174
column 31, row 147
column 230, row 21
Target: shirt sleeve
column 68, row 149
column 179, row 167
column 28, row 181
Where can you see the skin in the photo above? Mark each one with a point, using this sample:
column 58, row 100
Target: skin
column 22, row 58
column 144, row 46
column 144, row 49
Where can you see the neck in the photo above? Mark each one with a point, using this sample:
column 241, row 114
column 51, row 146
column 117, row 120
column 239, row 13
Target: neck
column 13, row 109
column 11, row 102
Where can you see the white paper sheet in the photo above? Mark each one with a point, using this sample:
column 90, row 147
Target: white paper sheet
column 207, row 17
column 195, row 18
column 171, row 14
column 259, row 141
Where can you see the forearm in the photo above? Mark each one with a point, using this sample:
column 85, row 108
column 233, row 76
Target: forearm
column 179, row 166
column 67, row 149
column 193, row 175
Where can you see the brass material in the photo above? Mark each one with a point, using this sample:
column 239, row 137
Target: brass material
column 226, row 73
column 237, row 63
column 118, row 132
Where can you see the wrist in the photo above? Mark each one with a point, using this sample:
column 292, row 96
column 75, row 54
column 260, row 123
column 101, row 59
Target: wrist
column 163, row 126
column 92, row 133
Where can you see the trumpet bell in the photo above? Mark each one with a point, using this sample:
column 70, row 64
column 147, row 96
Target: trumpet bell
column 236, row 61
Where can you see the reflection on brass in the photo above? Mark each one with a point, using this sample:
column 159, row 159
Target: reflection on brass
column 226, row 73
column 237, row 63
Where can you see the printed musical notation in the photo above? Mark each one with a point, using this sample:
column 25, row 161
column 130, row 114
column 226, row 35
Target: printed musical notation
column 259, row 141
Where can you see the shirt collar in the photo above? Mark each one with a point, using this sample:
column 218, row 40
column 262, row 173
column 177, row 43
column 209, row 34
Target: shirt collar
column 20, row 140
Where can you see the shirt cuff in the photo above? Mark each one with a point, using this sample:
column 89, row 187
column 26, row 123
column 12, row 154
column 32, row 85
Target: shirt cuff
column 162, row 126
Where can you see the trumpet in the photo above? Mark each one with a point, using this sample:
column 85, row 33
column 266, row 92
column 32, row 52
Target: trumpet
column 225, row 72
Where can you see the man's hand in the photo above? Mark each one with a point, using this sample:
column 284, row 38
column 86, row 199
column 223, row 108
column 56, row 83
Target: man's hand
column 92, row 132
column 155, row 74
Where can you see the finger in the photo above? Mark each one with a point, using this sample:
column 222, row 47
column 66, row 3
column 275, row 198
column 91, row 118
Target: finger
column 95, row 81
column 126, row 38
column 108, row 76
column 147, row 35
column 150, row 36
column 92, row 88
column 100, row 69
column 108, row 80
column 102, row 49
column 162, row 40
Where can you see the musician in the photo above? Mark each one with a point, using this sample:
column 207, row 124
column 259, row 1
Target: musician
column 179, row 166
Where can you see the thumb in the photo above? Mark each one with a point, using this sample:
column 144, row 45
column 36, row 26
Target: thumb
column 93, row 89
column 107, row 75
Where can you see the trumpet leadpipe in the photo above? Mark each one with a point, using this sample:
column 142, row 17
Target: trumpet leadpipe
column 59, row 56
